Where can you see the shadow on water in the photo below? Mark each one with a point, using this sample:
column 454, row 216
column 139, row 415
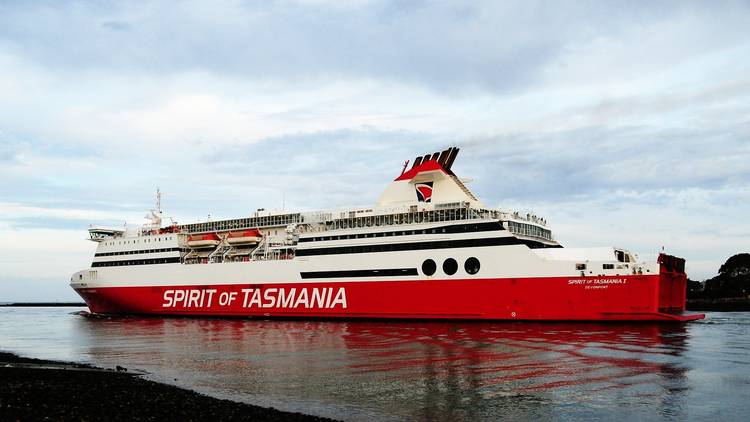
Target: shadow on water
column 410, row 370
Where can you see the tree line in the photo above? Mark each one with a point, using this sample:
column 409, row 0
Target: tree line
column 733, row 280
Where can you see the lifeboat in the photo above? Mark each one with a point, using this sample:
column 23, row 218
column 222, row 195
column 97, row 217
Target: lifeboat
column 245, row 237
column 174, row 228
column 209, row 240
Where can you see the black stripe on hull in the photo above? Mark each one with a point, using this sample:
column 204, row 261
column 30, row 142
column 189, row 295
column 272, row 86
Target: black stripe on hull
column 137, row 252
column 136, row 262
column 389, row 272
column 414, row 246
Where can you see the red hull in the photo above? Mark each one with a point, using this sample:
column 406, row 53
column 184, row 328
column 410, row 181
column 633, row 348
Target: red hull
column 618, row 298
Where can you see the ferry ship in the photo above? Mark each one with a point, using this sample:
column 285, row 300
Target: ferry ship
column 429, row 249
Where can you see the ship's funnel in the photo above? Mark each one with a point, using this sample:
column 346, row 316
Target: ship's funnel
column 443, row 156
column 430, row 172
column 451, row 158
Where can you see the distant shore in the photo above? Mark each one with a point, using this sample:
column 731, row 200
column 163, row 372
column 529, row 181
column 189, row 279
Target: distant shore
column 34, row 389
column 732, row 304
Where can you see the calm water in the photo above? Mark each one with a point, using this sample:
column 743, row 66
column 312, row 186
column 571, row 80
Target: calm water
column 419, row 371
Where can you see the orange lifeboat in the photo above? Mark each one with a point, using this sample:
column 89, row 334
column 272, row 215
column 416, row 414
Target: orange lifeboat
column 208, row 240
column 245, row 237
column 174, row 228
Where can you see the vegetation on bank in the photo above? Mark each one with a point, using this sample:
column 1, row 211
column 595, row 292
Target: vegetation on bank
column 733, row 281
column 728, row 291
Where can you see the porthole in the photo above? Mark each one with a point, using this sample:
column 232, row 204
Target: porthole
column 429, row 267
column 472, row 265
column 450, row 266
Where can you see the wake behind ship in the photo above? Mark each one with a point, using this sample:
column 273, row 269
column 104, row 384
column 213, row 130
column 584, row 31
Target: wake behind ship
column 429, row 249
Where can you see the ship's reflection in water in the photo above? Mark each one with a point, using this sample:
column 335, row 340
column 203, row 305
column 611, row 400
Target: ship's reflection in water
column 410, row 370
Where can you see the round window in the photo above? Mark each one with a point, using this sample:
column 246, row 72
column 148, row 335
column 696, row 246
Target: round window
column 450, row 266
column 429, row 267
column 472, row 265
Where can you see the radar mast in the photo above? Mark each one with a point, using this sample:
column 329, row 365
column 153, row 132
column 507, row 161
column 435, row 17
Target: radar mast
column 154, row 215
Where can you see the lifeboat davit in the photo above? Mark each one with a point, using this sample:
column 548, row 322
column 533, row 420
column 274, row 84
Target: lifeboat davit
column 208, row 240
column 245, row 237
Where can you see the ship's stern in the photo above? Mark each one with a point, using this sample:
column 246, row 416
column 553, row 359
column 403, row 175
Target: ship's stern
column 672, row 289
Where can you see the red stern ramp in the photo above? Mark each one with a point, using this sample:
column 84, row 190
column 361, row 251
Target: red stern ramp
column 673, row 289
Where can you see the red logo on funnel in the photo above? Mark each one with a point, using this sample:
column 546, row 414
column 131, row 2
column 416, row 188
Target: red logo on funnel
column 424, row 191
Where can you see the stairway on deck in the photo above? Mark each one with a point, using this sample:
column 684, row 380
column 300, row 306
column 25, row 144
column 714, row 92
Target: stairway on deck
column 464, row 188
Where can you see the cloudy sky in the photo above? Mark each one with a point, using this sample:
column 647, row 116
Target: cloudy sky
column 623, row 123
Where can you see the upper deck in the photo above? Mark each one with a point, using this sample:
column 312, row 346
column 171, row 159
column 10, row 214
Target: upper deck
column 529, row 225
column 427, row 195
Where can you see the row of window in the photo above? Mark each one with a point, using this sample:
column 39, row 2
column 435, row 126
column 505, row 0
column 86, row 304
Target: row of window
column 450, row 266
column 141, row 240
column 529, row 230
column 136, row 262
column 137, row 252
column 243, row 223
column 460, row 228
column 449, row 214
column 581, row 266
column 412, row 217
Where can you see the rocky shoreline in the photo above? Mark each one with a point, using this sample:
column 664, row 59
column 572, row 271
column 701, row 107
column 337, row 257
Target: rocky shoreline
column 33, row 389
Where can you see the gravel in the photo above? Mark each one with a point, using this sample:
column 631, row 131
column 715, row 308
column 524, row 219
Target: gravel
column 32, row 389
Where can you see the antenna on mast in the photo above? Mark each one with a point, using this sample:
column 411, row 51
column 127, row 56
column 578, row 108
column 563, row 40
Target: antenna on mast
column 406, row 163
column 154, row 215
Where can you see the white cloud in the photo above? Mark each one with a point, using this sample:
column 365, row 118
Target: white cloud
column 11, row 211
